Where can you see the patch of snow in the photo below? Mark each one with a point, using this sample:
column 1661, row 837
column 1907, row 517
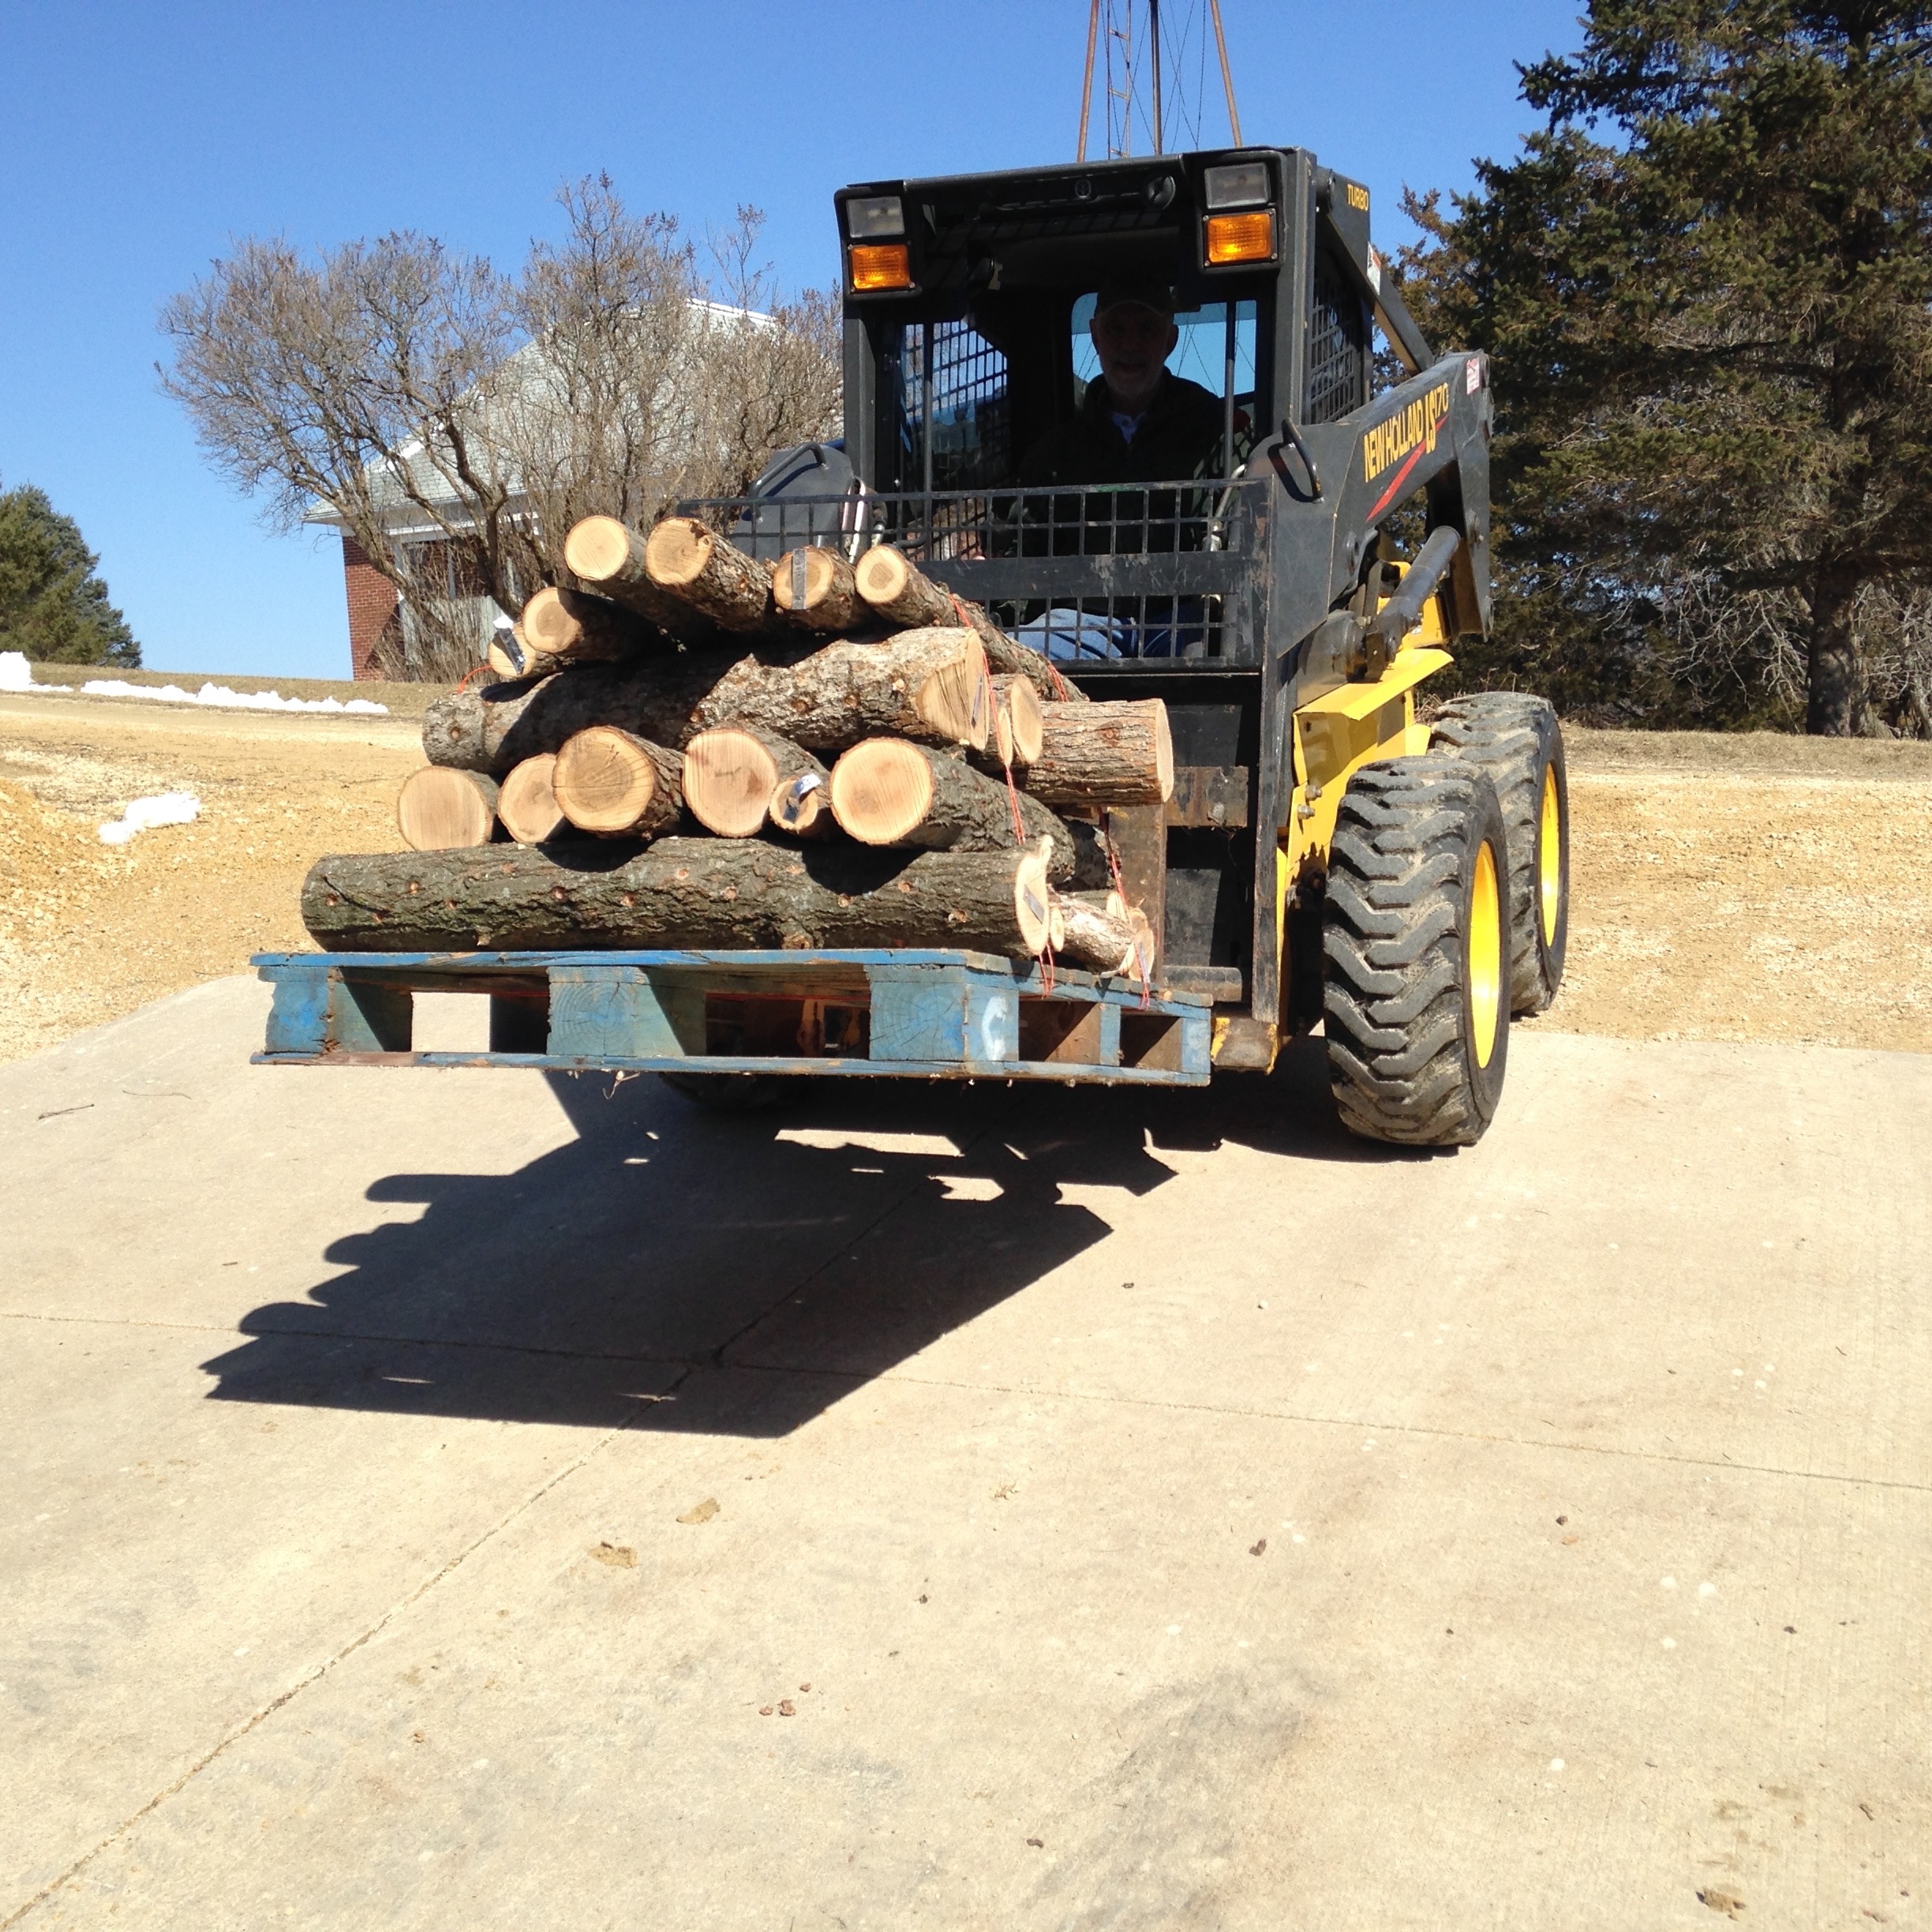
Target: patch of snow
column 220, row 695
column 165, row 808
column 16, row 672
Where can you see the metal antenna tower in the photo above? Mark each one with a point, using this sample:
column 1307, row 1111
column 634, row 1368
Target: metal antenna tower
column 1142, row 62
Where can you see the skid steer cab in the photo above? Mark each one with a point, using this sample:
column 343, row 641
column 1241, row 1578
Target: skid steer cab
column 1325, row 857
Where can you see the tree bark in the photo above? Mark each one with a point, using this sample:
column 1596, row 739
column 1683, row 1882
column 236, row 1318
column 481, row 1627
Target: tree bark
column 700, row 893
column 1093, row 937
column 902, row 595
column 829, row 602
column 607, row 556
column 1093, row 754
column 926, row 684
column 1835, row 696
column 616, row 783
column 700, row 569
column 438, row 808
column 563, row 627
column 732, row 773
column 888, row 792
column 526, row 806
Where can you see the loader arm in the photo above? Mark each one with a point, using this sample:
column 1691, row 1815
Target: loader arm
column 1340, row 482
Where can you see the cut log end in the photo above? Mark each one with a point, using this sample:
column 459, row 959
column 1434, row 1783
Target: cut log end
column 610, row 781
column 1033, row 897
column 597, row 549
column 729, row 775
column 881, row 790
column 802, row 805
column 881, row 576
column 1020, row 709
column 439, row 808
column 677, row 551
column 526, row 807
column 957, row 700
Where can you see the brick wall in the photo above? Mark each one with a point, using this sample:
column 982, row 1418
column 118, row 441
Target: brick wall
column 372, row 605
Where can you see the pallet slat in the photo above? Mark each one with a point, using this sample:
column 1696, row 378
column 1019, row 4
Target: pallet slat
column 939, row 1014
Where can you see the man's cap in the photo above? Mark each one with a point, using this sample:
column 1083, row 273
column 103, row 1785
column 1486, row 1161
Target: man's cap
column 1154, row 295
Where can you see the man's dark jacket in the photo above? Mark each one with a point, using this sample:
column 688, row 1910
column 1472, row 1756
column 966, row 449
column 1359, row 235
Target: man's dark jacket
column 1179, row 437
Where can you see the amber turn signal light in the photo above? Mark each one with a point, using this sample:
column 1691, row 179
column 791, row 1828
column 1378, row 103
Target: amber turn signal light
column 1239, row 238
column 888, row 268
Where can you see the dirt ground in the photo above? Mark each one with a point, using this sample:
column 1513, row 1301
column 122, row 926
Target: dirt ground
column 1723, row 888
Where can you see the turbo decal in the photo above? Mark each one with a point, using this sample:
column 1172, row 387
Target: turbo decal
column 1389, row 441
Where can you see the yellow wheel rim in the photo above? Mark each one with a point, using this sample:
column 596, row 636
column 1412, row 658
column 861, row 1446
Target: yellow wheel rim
column 1549, row 859
column 1485, row 954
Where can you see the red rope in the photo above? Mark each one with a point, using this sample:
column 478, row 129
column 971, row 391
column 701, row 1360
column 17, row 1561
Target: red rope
column 463, row 684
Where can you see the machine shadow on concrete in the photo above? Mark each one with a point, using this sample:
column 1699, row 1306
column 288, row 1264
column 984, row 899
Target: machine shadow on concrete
column 586, row 1287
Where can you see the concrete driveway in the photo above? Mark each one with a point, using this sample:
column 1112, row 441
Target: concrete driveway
column 475, row 1499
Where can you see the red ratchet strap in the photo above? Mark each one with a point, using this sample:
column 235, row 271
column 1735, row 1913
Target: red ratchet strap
column 464, row 685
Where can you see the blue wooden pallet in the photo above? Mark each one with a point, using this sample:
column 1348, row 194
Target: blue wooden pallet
column 931, row 1014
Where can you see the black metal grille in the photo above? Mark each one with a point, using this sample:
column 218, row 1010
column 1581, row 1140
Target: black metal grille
column 1092, row 578
column 955, row 420
column 1338, row 344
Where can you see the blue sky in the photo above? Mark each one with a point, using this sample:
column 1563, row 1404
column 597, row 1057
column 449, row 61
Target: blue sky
column 139, row 140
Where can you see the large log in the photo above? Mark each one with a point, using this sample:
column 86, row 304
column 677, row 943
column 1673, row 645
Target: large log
column 438, row 808
column 931, row 685
column 563, row 627
column 1092, row 937
column 1093, row 754
column 616, row 783
column 526, row 806
column 700, row 893
column 900, row 594
column 700, row 568
column 813, row 586
column 605, row 555
column 889, row 791
column 732, row 773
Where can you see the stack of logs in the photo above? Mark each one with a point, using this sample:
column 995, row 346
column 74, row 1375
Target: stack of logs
column 703, row 751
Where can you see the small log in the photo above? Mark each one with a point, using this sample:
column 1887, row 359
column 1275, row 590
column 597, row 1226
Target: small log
column 1017, row 719
column 526, row 806
column 438, row 808
column 902, row 595
column 1093, row 937
column 700, row 893
column 698, row 567
column 509, row 654
column 813, row 585
column 563, row 627
column 1093, row 754
column 888, row 792
column 802, row 805
column 607, row 557
column 731, row 774
column 615, row 782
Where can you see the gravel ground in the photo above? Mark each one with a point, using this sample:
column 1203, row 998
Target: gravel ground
column 1747, row 888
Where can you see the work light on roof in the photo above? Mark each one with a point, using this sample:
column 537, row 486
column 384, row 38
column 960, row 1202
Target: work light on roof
column 876, row 218
column 1241, row 184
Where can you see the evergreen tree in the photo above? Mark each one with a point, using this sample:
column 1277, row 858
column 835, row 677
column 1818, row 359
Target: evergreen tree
column 52, row 606
column 1705, row 285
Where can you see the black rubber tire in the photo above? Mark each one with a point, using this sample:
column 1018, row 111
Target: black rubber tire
column 1517, row 741
column 728, row 1093
column 1398, row 996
